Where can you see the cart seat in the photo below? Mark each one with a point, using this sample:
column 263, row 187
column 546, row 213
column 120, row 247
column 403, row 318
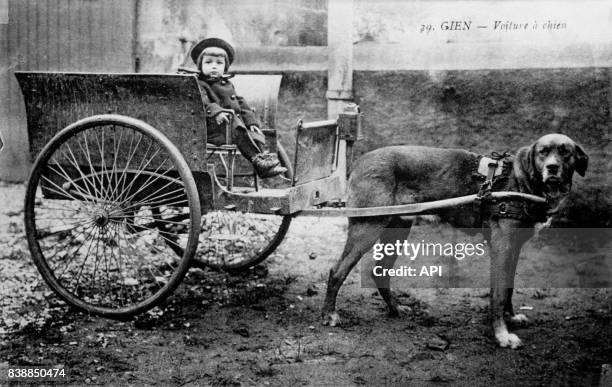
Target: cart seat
column 261, row 93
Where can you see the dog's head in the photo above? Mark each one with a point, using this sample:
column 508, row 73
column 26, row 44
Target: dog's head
column 547, row 166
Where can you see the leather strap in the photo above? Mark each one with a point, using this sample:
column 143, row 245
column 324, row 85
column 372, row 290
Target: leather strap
column 513, row 209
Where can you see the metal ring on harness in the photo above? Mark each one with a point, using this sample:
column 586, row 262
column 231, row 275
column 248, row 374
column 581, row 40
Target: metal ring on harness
column 502, row 209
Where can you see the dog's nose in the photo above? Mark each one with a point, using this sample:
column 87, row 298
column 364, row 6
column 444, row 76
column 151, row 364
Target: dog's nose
column 552, row 169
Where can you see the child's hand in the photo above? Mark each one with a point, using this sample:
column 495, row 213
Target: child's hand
column 222, row 118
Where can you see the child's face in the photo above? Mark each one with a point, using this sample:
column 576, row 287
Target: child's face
column 213, row 62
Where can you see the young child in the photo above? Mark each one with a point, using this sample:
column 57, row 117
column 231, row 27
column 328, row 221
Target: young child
column 213, row 57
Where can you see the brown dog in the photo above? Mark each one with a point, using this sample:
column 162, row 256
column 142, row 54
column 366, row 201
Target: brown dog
column 407, row 174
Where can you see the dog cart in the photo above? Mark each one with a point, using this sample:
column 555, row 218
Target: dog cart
column 125, row 194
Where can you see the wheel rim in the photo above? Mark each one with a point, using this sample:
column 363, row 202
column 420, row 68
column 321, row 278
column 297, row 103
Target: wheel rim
column 90, row 221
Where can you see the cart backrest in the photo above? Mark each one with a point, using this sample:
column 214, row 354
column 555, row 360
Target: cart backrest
column 261, row 93
column 171, row 103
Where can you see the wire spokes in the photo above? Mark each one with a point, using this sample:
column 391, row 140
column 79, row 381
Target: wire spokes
column 109, row 206
column 231, row 239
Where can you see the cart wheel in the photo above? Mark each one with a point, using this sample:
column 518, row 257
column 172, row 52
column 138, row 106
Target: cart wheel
column 235, row 241
column 97, row 197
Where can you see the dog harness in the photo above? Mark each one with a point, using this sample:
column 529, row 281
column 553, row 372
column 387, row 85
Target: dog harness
column 495, row 171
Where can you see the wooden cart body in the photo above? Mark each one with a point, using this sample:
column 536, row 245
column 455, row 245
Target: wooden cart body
column 172, row 104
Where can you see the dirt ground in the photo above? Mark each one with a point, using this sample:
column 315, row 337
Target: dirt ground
column 263, row 327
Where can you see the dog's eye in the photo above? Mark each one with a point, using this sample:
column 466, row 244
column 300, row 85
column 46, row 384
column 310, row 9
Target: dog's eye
column 543, row 151
column 563, row 150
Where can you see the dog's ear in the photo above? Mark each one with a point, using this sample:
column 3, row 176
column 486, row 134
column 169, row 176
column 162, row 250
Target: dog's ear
column 582, row 161
column 525, row 169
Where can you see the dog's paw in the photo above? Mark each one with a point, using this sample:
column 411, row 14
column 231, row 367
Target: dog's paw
column 507, row 339
column 400, row 311
column 332, row 319
column 518, row 320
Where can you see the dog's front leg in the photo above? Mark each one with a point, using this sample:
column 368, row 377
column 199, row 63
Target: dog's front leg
column 507, row 238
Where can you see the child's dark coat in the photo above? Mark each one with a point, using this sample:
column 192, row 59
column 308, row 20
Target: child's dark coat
column 219, row 94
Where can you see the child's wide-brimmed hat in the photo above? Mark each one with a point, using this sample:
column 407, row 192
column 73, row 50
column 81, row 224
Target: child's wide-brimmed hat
column 196, row 50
